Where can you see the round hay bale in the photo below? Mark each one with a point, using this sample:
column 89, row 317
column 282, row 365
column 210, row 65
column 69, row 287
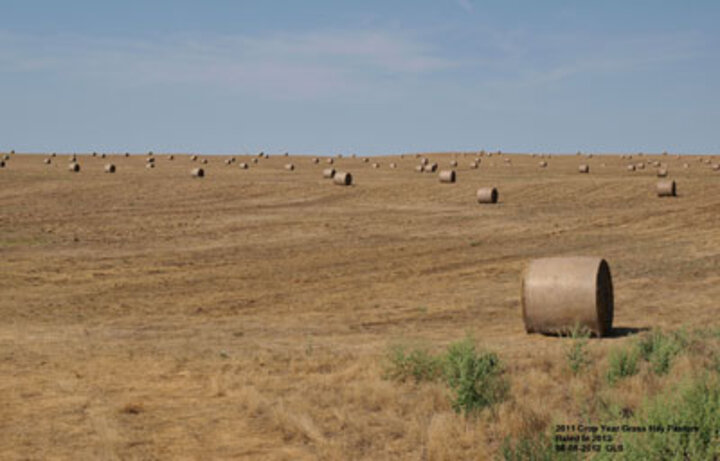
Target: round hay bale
column 447, row 176
column 204, row 161
column 329, row 173
column 563, row 293
column 193, row 158
column 419, row 168
column 424, row 161
column 243, row 165
column 316, row 160
column 376, row 165
column 542, row 164
column 666, row 189
column 289, row 166
column 53, row 154
column 330, row 161
column 228, row 162
column 150, row 166
column 150, row 160
column 430, row 168
column 473, row 165
column 127, row 154
column 2, row 163
column 48, row 161
column 631, row 167
column 716, row 167
column 342, row 179
column 109, row 168
column 662, row 172
column 393, row 165
column 453, row 163
column 640, row 166
column 255, row 160
column 686, row 165
column 102, row 155
column 171, row 158
column 584, row 169
column 197, row 173
column 366, row 160
column 487, row 195
column 94, row 154
column 74, row 167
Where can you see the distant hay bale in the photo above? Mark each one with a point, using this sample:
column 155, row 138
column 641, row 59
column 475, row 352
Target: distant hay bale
column 376, row 165
column 666, row 189
column 342, row 179
column 686, row 165
column 48, row 161
column 53, row 154
column 716, row 167
column 393, row 165
column 447, row 176
column 430, row 168
column 2, row 163
column 109, row 168
column 329, row 173
column 330, row 161
column 631, row 167
column 197, row 173
column 204, row 161
column 150, row 160
column 127, row 154
column 171, row 158
column 424, row 161
column 584, row 169
column 563, row 293
column 289, row 166
column 94, row 154
column 243, row 165
column 419, row 168
column 228, row 162
column 150, row 166
column 193, row 158
column 662, row 172
column 74, row 167
column 640, row 166
column 102, row 155
column 473, row 165
column 366, row 160
column 254, row 160
column 453, row 163
column 542, row 164
column 316, row 160
column 487, row 195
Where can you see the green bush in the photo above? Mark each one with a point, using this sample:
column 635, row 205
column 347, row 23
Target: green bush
column 577, row 354
column 417, row 363
column 623, row 363
column 660, row 349
column 474, row 377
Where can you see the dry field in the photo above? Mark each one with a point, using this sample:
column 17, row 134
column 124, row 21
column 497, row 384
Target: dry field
column 147, row 314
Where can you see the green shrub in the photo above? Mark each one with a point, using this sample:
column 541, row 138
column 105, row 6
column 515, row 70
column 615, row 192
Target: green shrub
column 623, row 363
column 417, row 363
column 577, row 354
column 474, row 377
column 660, row 349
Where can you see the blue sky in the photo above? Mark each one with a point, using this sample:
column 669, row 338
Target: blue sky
column 370, row 77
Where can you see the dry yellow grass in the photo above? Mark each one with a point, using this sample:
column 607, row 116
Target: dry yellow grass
column 246, row 315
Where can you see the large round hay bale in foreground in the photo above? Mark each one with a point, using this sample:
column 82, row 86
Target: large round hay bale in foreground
column 662, row 172
column 74, row 167
column 487, row 195
column 342, row 178
column 109, row 168
column 666, row 189
column 564, row 293
column 289, row 166
column 584, row 169
column 447, row 176
column 328, row 173
column 198, row 173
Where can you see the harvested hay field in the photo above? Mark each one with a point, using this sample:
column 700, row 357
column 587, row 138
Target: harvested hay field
column 250, row 314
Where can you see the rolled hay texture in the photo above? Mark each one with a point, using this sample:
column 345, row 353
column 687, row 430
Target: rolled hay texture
column 228, row 161
column 342, row 178
column 328, row 173
column 584, row 169
column 171, row 157
column 150, row 160
column 419, row 168
column 424, row 161
column 542, row 164
column 197, row 173
column 243, row 165
column 204, row 161
column 366, row 160
column 74, row 167
column 430, row 168
column 376, row 165
column 716, row 167
column 393, row 165
column 631, row 167
column 255, row 160
column 289, row 166
column 453, row 163
column 686, row 165
column 330, row 161
column 193, row 158
column 447, row 176
column 48, row 161
column 640, row 166
column 150, row 166
column 109, row 168
column 487, row 195
column 316, row 160
column 666, row 189
column 473, row 165
column 562, row 293
column 662, row 172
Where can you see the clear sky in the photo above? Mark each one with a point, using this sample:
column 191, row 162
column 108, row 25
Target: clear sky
column 366, row 77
